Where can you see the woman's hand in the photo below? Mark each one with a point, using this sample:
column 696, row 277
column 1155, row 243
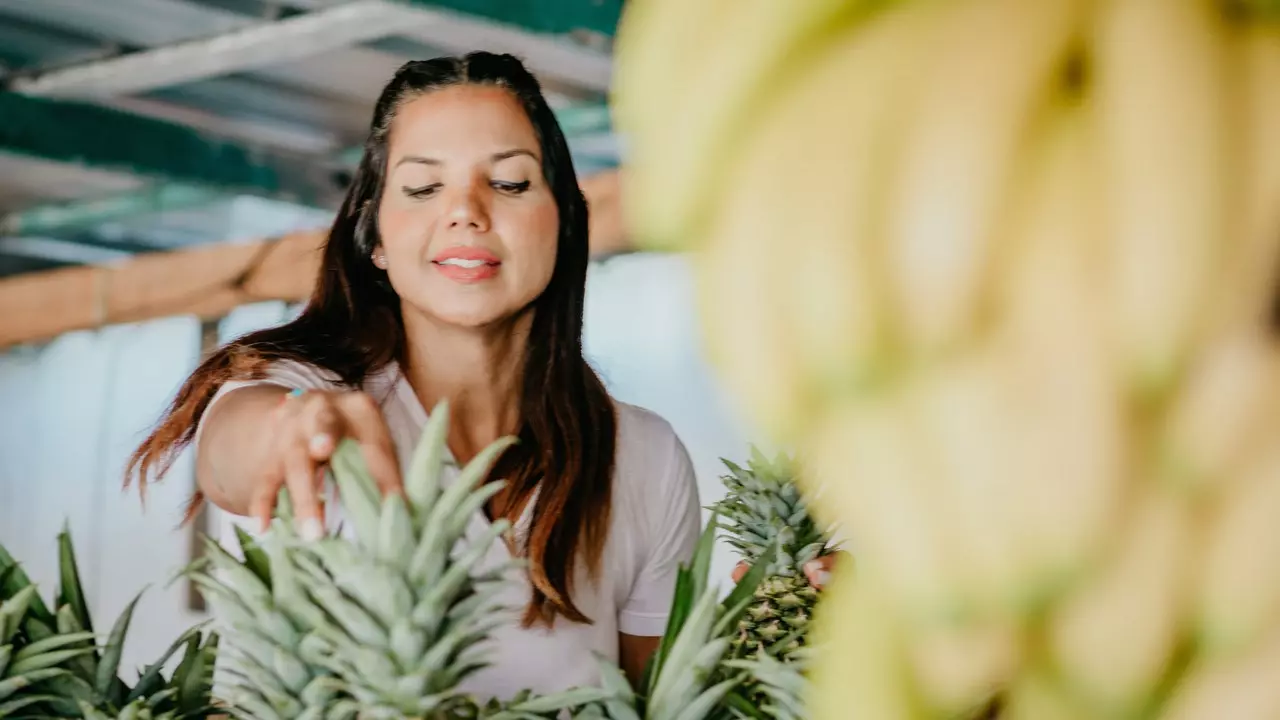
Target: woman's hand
column 816, row 571
column 305, row 431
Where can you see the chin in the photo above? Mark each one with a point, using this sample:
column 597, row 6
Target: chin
column 469, row 314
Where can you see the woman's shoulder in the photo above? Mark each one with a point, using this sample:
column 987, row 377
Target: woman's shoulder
column 648, row 448
column 643, row 428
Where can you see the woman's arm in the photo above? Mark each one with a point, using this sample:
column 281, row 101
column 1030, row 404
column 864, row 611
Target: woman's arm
column 675, row 517
column 634, row 652
column 258, row 439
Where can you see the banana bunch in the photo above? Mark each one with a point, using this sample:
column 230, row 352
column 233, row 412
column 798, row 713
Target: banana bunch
column 1005, row 271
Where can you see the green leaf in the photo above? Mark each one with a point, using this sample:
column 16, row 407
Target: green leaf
column 9, row 708
column 71, row 592
column 14, row 610
column 86, row 665
column 700, row 565
column 358, row 494
column 22, row 666
column 737, row 601
column 151, row 681
column 421, row 481
column 736, row 701
column 255, row 558
column 193, row 675
column 680, row 607
column 46, row 646
column 109, row 664
column 15, row 580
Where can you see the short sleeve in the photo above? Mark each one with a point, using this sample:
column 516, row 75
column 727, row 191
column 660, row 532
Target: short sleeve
column 676, row 526
column 282, row 373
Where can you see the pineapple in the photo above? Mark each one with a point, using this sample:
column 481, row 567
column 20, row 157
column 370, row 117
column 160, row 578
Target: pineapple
column 50, row 666
column 383, row 626
column 765, row 508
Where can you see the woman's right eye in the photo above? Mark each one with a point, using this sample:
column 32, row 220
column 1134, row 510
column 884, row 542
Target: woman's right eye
column 421, row 192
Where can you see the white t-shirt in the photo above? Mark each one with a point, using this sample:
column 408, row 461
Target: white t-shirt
column 655, row 523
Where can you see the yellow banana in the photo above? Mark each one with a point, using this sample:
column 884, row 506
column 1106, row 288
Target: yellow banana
column 1241, row 687
column 744, row 325
column 1239, row 589
column 1067, row 444
column 874, row 480
column 990, row 70
column 686, row 116
column 810, row 264
column 1253, row 260
column 1160, row 94
column 857, row 670
column 1113, row 639
column 968, row 424
column 1036, row 695
column 960, row 668
column 1220, row 408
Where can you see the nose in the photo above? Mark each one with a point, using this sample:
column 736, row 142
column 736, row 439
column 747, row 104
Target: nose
column 467, row 209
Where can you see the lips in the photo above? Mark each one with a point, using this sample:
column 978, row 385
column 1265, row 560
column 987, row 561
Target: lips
column 467, row 264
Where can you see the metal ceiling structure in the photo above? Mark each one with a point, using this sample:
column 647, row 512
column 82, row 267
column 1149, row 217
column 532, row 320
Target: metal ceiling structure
column 137, row 125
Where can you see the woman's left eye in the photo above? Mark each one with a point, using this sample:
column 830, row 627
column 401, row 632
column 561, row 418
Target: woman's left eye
column 515, row 188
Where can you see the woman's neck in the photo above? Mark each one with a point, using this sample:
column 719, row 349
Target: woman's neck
column 479, row 371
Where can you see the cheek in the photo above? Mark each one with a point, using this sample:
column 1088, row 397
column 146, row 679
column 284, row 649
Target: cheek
column 529, row 235
column 400, row 229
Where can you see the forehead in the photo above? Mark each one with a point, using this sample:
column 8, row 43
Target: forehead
column 461, row 121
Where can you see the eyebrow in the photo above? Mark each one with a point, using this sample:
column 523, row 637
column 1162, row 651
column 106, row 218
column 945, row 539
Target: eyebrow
column 496, row 157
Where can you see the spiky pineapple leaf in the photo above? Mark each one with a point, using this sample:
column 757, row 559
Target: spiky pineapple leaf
column 70, row 590
column 681, row 604
column 15, row 580
column 255, row 558
column 109, row 664
column 428, row 457
column 740, row 597
column 151, row 680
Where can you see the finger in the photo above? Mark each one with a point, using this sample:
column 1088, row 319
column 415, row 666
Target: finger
column 739, row 570
column 263, row 502
column 322, row 427
column 300, row 477
column 818, row 571
column 365, row 423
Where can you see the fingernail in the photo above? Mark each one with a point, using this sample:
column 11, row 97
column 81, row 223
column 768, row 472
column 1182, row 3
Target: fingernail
column 813, row 566
column 310, row 529
column 822, row 578
column 321, row 443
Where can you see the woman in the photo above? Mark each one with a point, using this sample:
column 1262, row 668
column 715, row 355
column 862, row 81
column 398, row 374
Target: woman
column 456, row 270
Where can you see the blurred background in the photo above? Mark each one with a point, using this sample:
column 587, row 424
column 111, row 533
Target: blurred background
column 167, row 168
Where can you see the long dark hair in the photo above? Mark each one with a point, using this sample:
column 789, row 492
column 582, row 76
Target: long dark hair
column 352, row 326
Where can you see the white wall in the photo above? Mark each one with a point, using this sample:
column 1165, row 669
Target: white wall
column 70, row 414
column 71, row 411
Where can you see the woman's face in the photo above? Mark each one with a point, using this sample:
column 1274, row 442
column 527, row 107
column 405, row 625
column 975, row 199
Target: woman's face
column 468, row 224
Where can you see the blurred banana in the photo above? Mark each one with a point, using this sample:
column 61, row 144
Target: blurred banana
column 1160, row 91
column 1002, row 270
column 684, row 138
column 963, row 132
column 829, row 299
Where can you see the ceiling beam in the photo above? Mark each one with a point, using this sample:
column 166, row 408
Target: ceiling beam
column 260, row 44
column 210, row 281
column 461, row 25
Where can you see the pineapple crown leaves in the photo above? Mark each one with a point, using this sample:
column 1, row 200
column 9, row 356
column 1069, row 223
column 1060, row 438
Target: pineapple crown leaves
column 765, row 508
column 783, row 685
column 51, row 666
column 386, row 624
